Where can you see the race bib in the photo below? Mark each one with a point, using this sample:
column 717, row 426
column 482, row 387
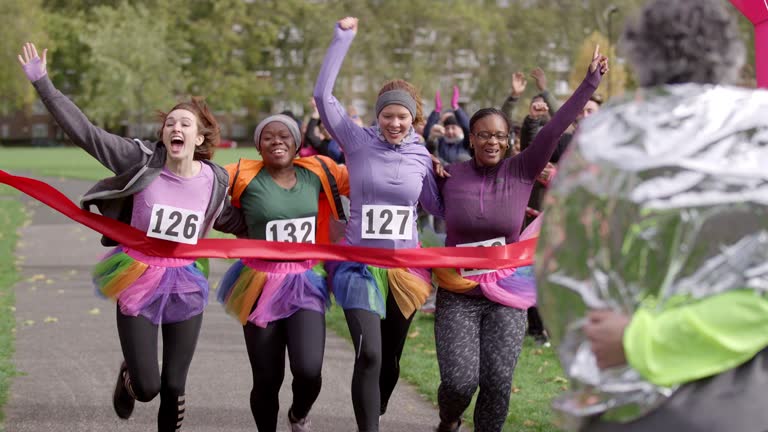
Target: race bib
column 387, row 222
column 175, row 224
column 300, row 230
column 498, row 241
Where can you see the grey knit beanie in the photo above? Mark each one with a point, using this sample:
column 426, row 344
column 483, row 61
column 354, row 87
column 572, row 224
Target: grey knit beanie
column 290, row 123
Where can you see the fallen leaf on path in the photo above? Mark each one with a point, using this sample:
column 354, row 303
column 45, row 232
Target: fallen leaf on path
column 94, row 311
column 49, row 281
column 29, row 322
column 33, row 288
column 50, row 319
column 515, row 389
column 36, row 277
column 414, row 334
column 560, row 380
column 72, row 272
column 12, row 308
column 61, row 291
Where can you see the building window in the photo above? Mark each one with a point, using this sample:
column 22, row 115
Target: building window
column 40, row 130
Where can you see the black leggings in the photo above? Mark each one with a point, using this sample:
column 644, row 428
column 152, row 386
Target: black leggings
column 378, row 347
column 138, row 339
column 303, row 333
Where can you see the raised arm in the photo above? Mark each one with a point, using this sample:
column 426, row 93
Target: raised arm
column 463, row 120
column 518, row 87
column 535, row 157
column 434, row 116
column 541, row 83
column 116, row 153
column 348, row 134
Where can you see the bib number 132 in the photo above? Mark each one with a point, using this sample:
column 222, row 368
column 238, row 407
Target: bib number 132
column 292, row 230
column 387, row 222
column 174, row 224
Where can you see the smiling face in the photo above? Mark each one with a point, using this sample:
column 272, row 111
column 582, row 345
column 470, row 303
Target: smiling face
column 181, row 134
column 276, row 145
column 490, row 139
column 395, row 121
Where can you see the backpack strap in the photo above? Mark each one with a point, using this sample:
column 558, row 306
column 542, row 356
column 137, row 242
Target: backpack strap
column 334, row 190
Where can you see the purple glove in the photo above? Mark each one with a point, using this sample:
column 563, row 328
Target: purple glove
column 455, row 98
column 438, row 102
column 33, row 65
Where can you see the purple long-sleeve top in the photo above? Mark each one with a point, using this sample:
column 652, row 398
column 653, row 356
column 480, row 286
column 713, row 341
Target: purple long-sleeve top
column 483, row 203
column 380, row 173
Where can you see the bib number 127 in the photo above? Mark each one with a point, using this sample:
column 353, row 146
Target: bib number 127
column 387, row 222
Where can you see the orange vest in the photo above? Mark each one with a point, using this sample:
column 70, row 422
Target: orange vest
column 326, row 205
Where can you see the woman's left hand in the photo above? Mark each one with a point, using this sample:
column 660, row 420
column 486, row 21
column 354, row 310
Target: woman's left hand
column 599, row 61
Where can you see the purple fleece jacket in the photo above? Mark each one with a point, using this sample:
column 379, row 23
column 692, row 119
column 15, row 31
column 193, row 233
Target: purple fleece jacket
column 379, row 172
column 482, row 203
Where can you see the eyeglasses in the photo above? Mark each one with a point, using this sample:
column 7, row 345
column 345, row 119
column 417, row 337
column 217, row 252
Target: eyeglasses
column 486, row 136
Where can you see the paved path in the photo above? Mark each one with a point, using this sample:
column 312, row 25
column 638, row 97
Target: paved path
column 68, row 351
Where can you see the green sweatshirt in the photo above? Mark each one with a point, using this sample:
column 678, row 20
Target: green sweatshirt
column 697, row 340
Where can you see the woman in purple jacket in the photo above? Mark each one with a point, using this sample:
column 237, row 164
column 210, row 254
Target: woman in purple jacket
column 481, row 314
column 390, row 171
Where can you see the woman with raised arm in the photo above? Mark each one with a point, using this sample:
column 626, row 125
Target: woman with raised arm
column 480, row 315
column 169, row 189
column 281, row 305
column 390, row 171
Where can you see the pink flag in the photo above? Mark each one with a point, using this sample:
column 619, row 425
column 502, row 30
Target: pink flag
column 757, row 12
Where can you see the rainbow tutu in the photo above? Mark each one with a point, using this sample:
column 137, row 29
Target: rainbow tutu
column 163, row 290
column 515, row 287
column 361, row 286
column 277, row 289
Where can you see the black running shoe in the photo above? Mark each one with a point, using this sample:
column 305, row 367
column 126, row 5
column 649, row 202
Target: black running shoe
column 447, row 427
column 122, row 400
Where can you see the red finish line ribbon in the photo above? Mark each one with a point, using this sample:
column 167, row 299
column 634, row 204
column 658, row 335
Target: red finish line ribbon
column 513, row 255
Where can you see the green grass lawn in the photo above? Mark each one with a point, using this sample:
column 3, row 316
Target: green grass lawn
column 538, row 377
column 11, row 218
column 72, row 162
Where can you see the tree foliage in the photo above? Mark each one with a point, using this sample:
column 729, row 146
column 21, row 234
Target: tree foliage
column 121, row 60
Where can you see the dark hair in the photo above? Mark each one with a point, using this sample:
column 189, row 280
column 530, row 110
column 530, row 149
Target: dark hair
column 596, row 98
column 684, row 41
column 399, row 84
column 207, row 126
column 485, row 112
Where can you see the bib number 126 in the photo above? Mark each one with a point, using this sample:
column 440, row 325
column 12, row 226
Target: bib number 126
column 174, row 224
column 387, row 222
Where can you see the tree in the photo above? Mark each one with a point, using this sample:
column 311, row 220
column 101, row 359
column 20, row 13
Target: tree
column 20, row 21
column 132, row 71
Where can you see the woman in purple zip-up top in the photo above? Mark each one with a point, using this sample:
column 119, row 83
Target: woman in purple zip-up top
column 481, row 314
column 390, row 171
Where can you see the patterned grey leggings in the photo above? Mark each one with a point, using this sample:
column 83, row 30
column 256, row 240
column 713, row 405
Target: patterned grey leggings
column 478, row 343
